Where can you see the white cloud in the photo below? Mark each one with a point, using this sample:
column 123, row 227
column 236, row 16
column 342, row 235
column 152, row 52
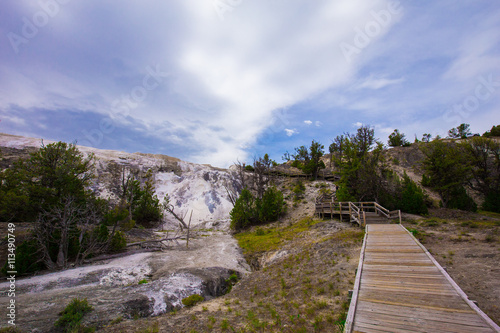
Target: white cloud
column 317, row 123
column 244, row 62
column 290, row 132
column 357, row 124
column 377, row 83
column 308, row 122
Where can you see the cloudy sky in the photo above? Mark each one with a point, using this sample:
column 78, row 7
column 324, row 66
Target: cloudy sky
column 213, row 81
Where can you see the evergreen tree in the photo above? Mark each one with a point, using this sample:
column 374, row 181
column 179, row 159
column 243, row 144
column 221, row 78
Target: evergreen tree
column 397, row 139
column 459, row 132
column 448, row 170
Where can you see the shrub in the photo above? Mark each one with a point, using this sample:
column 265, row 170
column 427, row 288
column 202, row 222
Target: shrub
column 249, row 168
column 298, row 190
column 412, row 197
column 243, row 210
column 231, row 281
column 492, row 202
column 271, row 206
column 73, row 314
column 118, row 242
column 459, row 199
column 249, row 211
column 426, row 181
column 192, row 300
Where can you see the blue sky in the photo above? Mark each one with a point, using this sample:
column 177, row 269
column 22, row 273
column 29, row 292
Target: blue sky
column 213, row 81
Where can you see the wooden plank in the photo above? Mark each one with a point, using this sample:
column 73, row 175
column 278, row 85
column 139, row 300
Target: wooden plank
column 452, row 302
column 433, row 314
column 409, row 291
column 419, row 324
column 421, row 306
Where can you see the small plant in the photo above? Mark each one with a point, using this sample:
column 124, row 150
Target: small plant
column 231, row 281
column 118, row 242
column 192, row 300
column 73, row 314
column 414, row 232
column 151, row 329
column 143, row 281
column 116, row 321
column 224, row 325
column 283, row 284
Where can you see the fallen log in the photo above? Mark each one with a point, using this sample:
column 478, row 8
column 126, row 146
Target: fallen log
column 166, row 239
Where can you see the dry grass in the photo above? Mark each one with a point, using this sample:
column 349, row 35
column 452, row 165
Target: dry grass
column 306, row 290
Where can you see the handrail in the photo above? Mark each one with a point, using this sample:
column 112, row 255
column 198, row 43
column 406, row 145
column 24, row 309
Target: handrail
column 355, row 208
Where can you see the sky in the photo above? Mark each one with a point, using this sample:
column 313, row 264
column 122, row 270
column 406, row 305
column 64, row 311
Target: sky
column 216, row 81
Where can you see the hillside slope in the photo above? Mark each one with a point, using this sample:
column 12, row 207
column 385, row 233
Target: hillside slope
column 191, row 187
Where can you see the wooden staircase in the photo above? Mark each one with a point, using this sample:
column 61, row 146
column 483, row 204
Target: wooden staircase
column 362, row 213
column 374, row 218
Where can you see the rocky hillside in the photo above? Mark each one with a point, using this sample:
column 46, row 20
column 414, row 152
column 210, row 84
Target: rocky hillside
column 191, row 187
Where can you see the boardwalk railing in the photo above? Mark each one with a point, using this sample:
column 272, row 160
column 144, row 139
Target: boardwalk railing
column 357, row 211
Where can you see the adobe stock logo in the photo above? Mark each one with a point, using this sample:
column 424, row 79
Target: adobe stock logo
column 222, row 7
column 30, row 28
column 372, row 29
column 483, row 91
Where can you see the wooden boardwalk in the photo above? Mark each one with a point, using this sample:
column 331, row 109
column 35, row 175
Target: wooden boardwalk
column 400, row 287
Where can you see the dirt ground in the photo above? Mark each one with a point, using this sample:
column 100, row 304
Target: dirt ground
column 467, row 245
column 301, row 286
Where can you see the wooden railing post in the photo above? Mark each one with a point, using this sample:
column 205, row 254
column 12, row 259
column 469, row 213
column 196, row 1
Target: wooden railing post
column 350, row 212
column 340, row 208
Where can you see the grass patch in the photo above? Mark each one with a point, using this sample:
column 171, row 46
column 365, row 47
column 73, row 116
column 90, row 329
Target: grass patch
column 490, row 214
column 273, row 238
column 192, row 300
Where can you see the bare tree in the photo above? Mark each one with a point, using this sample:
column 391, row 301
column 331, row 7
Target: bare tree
column 171, row 210
column 241, row 173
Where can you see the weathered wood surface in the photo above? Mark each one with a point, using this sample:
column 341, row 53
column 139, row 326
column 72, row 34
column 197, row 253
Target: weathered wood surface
column 400, row 287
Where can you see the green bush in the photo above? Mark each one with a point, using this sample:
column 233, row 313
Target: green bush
column 192, row 300
column 426, row 181
column 72, row 315
column 412, row 198
column 243, row 211
column 249, row 211
column 271, row 206
column 249, row 168
column 492, row 202
column 231, row 281
column 298, row 190
column 459, row 199
column 118, row 242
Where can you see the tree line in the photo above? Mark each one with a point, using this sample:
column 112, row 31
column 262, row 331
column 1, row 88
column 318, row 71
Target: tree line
column 453, row 169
